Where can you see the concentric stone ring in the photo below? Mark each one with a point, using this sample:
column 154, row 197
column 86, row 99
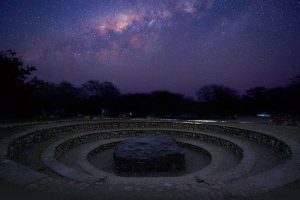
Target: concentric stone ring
column 238, row 161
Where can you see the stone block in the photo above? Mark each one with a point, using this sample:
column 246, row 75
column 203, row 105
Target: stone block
column 149, row 154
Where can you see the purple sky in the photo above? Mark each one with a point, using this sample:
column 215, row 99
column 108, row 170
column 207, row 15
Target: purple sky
column 146, row 45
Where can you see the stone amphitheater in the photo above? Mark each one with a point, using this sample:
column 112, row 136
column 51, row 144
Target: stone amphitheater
column 224, row 160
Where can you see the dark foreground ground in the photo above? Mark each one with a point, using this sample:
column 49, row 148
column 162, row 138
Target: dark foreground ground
column 12, row 192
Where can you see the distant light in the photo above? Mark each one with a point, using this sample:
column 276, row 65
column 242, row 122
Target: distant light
column 201, row 121
column 266, row 115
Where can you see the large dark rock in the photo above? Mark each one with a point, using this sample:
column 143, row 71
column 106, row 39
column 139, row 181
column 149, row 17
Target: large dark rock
column 148, row 154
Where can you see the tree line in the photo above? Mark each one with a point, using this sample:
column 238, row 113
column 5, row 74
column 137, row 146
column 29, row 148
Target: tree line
column 25, row 96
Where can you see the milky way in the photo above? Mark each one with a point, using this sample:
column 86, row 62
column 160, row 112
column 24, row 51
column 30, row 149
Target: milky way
column 146, row 45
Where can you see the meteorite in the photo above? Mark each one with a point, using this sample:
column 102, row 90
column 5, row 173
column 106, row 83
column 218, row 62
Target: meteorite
column 148, row 154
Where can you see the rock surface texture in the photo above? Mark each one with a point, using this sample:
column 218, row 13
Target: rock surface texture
column 148, row 154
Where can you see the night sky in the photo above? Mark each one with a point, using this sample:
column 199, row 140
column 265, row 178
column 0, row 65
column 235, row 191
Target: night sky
column 146, row 45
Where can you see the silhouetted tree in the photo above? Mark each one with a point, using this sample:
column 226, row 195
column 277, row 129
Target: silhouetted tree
column 256, row 100
column 155, row 104
column 218, row 100
column 274, row 100
column 166, row 104
column 96, row 88
column 277, row 100
column 100, row 95
column 54, row 99
column 68, row 98
column 13, row 76
column 293, row 95
column 134, row 103
column 295, row 81
column 23, row 97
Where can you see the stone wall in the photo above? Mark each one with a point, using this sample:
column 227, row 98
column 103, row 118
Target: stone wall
column 21, row 142
column 77, row 141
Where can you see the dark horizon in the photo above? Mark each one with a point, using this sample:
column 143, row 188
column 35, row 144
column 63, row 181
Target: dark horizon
column 192, row 95
column 143, row 46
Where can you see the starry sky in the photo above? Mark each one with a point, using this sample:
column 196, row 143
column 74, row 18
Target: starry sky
column 147, row 45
